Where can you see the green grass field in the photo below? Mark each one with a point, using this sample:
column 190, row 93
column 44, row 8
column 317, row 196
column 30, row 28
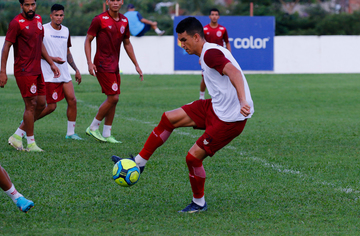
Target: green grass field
column 293, row 171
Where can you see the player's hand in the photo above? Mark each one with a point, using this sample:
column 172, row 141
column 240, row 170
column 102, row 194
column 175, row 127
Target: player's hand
column 140, row 73
column 78, row 77
column 56, row 70
column 58, row 60
column 92, row 69
column 3, row 79
column 244, row 108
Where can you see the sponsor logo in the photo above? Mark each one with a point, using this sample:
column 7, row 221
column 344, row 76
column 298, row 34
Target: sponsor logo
column 37, row 17
column 105, row 17
column 122, row 29
column 110, row 26
column 205, row 28
column 33, row 89
column 222, row 28
column 124, row 20
column 251, row 42
column 27, row 27
column 207, row 140
column 55, row 95
column 22, row 21
column 114, row 87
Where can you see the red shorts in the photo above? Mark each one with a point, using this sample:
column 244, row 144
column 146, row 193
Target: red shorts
column 109, row 82
column 54, row 92
column 31, row 86
column 217, row 133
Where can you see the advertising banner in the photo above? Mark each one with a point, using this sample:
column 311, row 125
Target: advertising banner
column 251, row 40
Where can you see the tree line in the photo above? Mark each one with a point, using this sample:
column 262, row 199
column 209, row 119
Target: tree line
column 315, row 21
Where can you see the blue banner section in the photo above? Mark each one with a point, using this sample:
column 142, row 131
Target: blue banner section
column 251, row 40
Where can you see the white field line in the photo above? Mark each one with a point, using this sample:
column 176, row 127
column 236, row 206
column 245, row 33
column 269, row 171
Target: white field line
column 274, row 166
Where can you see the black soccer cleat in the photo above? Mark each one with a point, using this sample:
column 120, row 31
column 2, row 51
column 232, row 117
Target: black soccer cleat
column 116, row 159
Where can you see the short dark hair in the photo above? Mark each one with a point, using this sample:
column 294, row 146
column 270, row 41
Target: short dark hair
column 57, row 7
column 191, row 25
column 214, row 9
column 22, row 1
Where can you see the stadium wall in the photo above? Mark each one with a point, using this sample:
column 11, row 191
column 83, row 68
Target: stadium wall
column 292, row 54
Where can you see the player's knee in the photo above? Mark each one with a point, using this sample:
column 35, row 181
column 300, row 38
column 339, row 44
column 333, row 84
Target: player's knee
column 52, row 107
column 195, row 166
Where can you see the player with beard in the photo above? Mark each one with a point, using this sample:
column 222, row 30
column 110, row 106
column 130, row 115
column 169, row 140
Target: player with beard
column 26, row 33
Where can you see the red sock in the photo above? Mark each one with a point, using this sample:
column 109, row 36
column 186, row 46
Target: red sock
column 197, row 175
column 157, row 137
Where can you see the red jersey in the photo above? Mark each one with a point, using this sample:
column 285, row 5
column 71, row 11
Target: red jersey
column 109, row 35
column 26, row 36
column 216, row 35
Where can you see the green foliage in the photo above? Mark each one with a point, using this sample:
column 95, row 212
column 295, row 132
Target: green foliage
column 293, row 171
column 315, row 21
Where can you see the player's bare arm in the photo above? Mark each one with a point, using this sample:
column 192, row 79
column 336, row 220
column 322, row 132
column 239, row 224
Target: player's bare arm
column 92, row 68
column 130, row 51
column 237, row 80
column 71, row 62
column 4, row 58
column 149, row 22
column 45, row 55
column 228, row 46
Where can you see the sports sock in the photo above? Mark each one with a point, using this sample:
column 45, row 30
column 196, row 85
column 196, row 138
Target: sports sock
column 13, row 194
column 202, row 95
column 158, row 31
column 106, row 131
column 157, row 137
column 197, row 175
column 70, row 128
column 95, row 124
column 20, row 132
column 30, row 139
column 199, row 201
column 140, row 161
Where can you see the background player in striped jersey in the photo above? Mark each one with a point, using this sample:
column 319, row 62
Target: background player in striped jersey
column 26, row 34
column 57, row 42
column 110, row 29
column 214, row 33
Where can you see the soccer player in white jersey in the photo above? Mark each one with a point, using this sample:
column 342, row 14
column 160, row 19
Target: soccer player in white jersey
column 223, row 117
column 57, row 43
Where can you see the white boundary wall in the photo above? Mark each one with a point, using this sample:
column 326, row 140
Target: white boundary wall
column 292, row 54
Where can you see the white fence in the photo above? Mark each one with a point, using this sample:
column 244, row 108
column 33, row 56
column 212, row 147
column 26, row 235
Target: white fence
column 292, row 54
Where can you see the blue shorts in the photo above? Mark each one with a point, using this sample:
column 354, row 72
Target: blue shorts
column 146, row 29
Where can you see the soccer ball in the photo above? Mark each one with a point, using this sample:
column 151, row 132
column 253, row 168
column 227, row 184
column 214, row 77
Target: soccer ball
column 126, row 173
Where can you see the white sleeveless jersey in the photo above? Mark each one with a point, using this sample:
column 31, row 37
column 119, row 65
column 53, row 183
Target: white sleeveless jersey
column 224, row 97
column 56, row 44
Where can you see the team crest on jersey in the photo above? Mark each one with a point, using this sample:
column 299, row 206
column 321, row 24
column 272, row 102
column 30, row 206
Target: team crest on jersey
column 55, row 95
column 39, row 25
column 33, row 89
column 114, row 87
column 218, row 33
column 122, row 29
